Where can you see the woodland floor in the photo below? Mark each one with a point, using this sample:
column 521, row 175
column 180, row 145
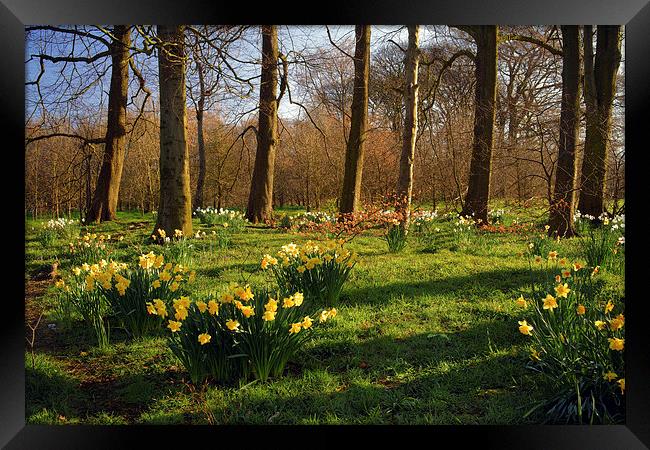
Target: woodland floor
column 425, row 336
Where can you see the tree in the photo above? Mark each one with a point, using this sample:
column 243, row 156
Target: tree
column 175, row 208
column 104, row 203
column 260, row 199
column 351, row 193
column 561, row 209
column 600, row 88
column 405, row 182
column 478, row 190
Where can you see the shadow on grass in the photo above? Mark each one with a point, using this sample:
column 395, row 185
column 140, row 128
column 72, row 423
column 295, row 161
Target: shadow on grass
column 480, row 283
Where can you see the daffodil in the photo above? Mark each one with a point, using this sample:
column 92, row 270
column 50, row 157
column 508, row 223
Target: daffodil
column 552, row 255
column 288, row 302
column 524, row 328
column 616, row 344
column 610, row 376
column 295, row 327
column 213, row 307
column 307, row 322
column 550, row 302
column 174, row 326
column 202, row 306
column 580, row 310
column 268, row 315
column 617, row 322
column 562, row 290
column 600, row 324
column 204, row 338
column 621, row 384
column 232, row 325
column 155, row 284
column 247, row 311
column 521, row 302
column 298, row 298
column 609, row 307
column 271, row 305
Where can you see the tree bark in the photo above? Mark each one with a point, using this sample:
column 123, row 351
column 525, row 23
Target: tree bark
column 351, row 193
column 478, row 190
column 175, row 208
column 600, row 88
column 409, row 134
column 561, row 209
column 260, row 200
column 104, row 203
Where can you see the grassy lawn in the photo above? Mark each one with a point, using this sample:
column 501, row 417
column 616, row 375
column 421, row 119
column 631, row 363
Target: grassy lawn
column 425, row 336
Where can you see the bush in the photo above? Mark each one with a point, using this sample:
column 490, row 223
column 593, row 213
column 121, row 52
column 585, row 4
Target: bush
column 317, row 270
column 577, row 342
column 240, row 333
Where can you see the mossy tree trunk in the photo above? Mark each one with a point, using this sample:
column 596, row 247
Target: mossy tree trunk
column 600, row 88
column 175, row 208
column 478, row 189
column 561, row 209
column 409, row 133
column 351, row 194
column 260, row 199
column 104, row 201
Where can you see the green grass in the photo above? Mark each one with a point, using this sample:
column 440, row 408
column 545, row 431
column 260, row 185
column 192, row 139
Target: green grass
column 421, row 337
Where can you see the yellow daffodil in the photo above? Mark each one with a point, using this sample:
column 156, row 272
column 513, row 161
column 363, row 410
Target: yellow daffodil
column 180, row 314
column 300, row 269
column 268, row 315
column 609, row 307
column 550, row 302
column 521, row 302
column 324, row 315
column 538, row 259
column 600, row 324
column 192, row 277
column 247, row 311
column 566, row 273
column 577, row 266
column 213, row 308
column 621, row 384
column 580, row 310
column 174, row 326
column 204, row 338
column 271, row 305
column 174, row 286
column 232, row 325
column 610, row 376
column 155, row 284
column 151, row 309
column 288, row 302
column 295, row 327
column 307, row 322
column 563, row 262
column 202, row 306
column 298, row 298
column 552, row 255
column 562, row 290
column 616, row 344
column 165, row 276
column 524, row 328
column 617, row 322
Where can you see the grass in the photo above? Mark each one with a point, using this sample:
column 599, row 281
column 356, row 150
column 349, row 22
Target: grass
column 421, row 338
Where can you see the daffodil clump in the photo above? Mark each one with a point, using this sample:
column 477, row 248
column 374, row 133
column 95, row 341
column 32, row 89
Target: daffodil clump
column 80, row 296
column 577, row 340
column 90, row 248
column 425, row 225
column 540, row 244
column 237, row 332
column 176, row 246
column 226, row 218
column 318, row 269
column 603, row 241
column 58, row 228
column 151, row 281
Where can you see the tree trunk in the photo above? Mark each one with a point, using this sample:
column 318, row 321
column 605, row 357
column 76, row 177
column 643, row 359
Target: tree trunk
column 107, row 189
column 351, row 194
column 175, row 208
column 198, row 195
column 561, row 209
column 405, row 181
column 260, row 200
column 600, row 87
column 478, row 190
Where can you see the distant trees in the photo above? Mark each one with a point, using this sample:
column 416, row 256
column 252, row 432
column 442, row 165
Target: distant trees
column 351, row 193
column 175, row 206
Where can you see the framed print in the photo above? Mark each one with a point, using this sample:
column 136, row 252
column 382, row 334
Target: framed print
column 257, row 222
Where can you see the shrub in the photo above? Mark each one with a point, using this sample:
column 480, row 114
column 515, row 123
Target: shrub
column 240, row 333
column 317, row 270
column 577, row 342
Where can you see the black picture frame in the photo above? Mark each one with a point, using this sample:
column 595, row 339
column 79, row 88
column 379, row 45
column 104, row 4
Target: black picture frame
column 634, row 14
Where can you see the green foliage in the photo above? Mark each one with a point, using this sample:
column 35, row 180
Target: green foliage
column 575, row 343
column 226, row 218
column 318, row 270
column 395, row 238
